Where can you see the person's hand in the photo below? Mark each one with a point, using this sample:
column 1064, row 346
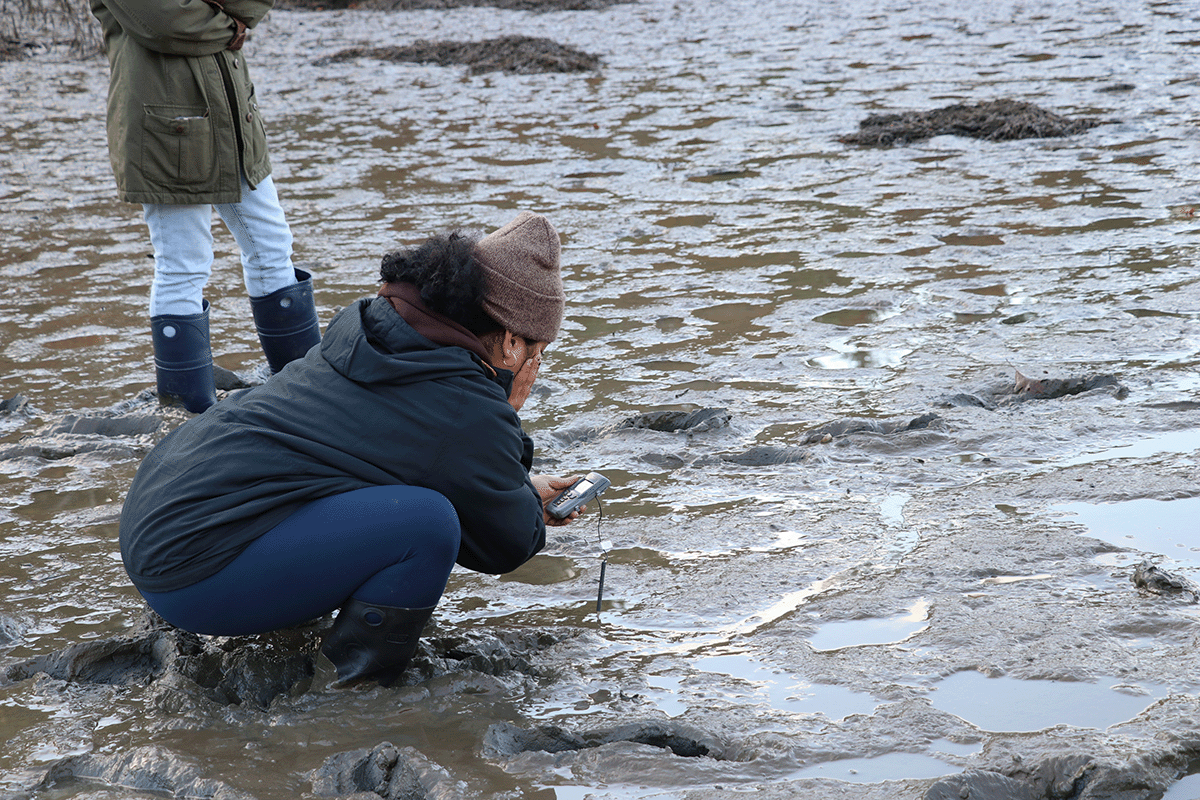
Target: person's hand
column 523, row 383
column 549, row 487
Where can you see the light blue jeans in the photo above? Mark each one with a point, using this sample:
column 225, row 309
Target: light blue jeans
column 183, row 248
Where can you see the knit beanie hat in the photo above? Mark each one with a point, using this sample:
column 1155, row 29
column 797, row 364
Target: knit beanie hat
column 523, row 289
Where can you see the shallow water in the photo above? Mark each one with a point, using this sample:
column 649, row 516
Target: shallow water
column 1169, row 527
column 1003, row 704
column 721, row 249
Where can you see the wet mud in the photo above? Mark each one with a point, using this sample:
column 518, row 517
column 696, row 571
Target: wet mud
column 523, row 55
column 413, row 5
column 902, row 439
column 1158, row 581
column 995, row 120
column 1075, row 777
column 1023, row 388
column 382, row 771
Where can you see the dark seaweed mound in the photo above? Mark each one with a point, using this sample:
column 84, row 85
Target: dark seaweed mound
column 996, row 120
column 520, row 54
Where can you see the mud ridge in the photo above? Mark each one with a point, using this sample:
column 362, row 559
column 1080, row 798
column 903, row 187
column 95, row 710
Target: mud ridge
column 250, row 671
column 524, row 55
column 14, row 405
column 185, row 668
column 394, row 773
column 768, row 455
column 1158, row 581
column 1070, row 777
column 1023, row 388
column 118, row 435
column 995, row 120
column 505, row 739
column 496, row 653
column 698, row 421
column 150, row 769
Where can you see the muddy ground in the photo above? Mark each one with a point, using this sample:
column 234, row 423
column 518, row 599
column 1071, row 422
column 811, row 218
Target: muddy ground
column 903, row 439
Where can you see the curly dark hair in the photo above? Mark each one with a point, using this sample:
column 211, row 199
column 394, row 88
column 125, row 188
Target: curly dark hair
column 449, row 278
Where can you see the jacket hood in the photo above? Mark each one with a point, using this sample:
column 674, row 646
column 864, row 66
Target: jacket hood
column 369, row 342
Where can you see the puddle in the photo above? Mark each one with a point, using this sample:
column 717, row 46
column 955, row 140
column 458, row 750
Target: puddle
column 860, row 632
column 609, row 792
column 901, row 540
column 783, row 691
column 1187, row 787
column 542, row 570
column 890, row 767
column 1168, row 527
column 892, row 508
column 667, row 698
column 1008, row 704
column 848, row 317
column 1004, row 580
column 853, row 358
column 1174, row 442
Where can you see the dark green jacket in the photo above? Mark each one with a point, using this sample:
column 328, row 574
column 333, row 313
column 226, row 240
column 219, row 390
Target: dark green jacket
column 183, row 121
column 375, row 404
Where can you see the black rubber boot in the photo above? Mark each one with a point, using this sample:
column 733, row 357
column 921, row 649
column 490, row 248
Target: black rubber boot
column 183, row 365
column 286, row 320
column 371, row 642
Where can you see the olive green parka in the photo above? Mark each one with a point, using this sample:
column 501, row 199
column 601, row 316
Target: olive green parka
column 183, row 121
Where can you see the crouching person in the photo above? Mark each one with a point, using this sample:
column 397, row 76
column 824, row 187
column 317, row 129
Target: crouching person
column 355, row 479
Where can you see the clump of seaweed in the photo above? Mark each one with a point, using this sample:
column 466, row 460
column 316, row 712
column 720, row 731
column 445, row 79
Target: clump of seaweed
column 994, row 120
column 520, row 54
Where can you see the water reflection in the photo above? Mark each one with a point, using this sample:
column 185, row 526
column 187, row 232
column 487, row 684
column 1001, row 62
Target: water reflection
column 1186, row 441
column 860, row 632
column 1168, row 527
column 889, row 767
column 848, row 317
column 1009, row 704
column 757, row 682
column 851, row 357
column 1187, row 787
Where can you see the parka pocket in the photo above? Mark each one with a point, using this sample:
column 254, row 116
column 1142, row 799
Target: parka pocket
column 178, row 146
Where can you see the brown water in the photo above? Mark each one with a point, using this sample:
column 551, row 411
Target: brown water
column 721, row 249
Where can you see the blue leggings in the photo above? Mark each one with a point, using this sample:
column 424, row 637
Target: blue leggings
column 385, row 545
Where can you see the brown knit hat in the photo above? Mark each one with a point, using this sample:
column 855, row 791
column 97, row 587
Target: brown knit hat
column 524, row 290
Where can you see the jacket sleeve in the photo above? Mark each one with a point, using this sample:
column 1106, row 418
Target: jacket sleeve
column 486, row 477
column 183, row 27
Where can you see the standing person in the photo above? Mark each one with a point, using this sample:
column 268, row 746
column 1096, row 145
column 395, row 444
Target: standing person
column 185, row 135
column 357, row 477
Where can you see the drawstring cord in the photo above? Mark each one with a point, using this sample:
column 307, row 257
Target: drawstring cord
column 603, row 556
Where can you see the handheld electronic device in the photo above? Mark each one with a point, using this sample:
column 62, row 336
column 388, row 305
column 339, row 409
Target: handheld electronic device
column 581, row 492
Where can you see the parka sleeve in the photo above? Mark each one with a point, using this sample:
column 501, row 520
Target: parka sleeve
column 486, row 477
column 183, row 27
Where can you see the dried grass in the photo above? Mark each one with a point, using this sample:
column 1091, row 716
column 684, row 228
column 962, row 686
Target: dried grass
column 29, row 24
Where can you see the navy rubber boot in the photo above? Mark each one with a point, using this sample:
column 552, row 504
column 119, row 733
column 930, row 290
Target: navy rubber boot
column 286, row 320
column 183, row 365
column 372, row 642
